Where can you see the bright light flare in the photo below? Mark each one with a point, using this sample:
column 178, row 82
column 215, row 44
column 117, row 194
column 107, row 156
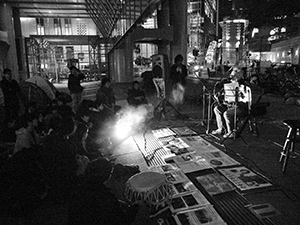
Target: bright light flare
column 196, row 68
column 131, row 119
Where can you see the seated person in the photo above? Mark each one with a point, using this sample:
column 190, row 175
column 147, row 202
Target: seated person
column 99, row 131
column 105, row 95
column 224, row 111
column 24, row 185
column 83, row 126
column 93, row 203
column 60, row 157
column 27, row 135
column 136, row 96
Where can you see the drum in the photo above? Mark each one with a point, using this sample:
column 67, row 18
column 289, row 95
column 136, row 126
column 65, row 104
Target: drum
column 151, row 188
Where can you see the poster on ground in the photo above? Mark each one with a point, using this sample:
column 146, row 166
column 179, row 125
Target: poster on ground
column 188, row 201
column 244, row 178
column 204, row 215
column 215, row 183
column 219, row 159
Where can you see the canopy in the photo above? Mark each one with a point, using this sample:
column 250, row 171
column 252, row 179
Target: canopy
column 45, row 85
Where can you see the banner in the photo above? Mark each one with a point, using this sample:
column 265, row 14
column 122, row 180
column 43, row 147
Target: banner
column 160, row 87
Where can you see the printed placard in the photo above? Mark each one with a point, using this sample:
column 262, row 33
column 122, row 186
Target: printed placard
column 244, row 179
column 204, row 215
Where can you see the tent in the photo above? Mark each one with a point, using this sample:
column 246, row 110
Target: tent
column 33, row 93
column 45, row 85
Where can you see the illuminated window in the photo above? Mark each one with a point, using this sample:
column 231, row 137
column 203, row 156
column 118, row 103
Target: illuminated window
column 57, row 26
column 68, row 27
column 208, row 11
column 40, row 28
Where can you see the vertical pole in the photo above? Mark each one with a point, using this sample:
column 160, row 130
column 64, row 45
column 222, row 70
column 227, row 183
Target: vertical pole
column 217, row 19
column 217, row 32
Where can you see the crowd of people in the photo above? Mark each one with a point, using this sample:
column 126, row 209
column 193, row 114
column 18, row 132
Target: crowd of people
column 60, row 153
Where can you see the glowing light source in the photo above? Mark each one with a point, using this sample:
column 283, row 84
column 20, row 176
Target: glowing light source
column 131, row 119
column 254, row 31
column 196, row 68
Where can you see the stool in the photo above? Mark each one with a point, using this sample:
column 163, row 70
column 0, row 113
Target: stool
column 291, row 138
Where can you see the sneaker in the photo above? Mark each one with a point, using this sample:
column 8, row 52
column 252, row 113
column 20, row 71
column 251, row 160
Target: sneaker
column 228, row 135
column 218, row 131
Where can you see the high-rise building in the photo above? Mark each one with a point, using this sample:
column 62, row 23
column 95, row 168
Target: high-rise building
column 234, row 45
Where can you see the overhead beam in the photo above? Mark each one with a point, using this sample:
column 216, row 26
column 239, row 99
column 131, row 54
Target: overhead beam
column 44, row 2
column 52, row 8
column 53, row 14
column 67, row 16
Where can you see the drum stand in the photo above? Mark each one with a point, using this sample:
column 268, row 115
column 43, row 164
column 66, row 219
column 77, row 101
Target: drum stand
column 205, row 120
column 161, row 93
column 161, row 109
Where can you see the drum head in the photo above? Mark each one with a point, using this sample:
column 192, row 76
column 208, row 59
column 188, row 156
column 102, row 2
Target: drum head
column 146, row 181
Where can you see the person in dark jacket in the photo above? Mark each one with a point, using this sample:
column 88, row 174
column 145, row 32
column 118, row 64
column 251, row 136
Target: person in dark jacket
column 178, row 74
column 22, row 183
column 11, row 91
column 83, row 126
column 178, row 71
column 74, row 86
column 60, row 158
column 106, row 96
column 93, row 203
column 136, row 96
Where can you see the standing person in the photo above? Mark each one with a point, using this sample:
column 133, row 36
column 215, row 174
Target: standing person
column 11, row 91
column 74, row 86
column 178, row 74
column 178, row 71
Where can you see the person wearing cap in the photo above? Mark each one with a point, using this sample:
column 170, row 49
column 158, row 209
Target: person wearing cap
column 75, row 87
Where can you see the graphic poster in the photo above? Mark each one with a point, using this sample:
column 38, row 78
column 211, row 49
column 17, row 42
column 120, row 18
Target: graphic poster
column 184, row 131
column 176, row 176
column 215, row 183
column 189, row 162
column 183, row 187
column 219, row 159
column 244, row 179
column 188, row 201
column 163, row 132
column 174, row 145
column 164, row 168
column 160, row 87
column 199, row 143
column 204, row 215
